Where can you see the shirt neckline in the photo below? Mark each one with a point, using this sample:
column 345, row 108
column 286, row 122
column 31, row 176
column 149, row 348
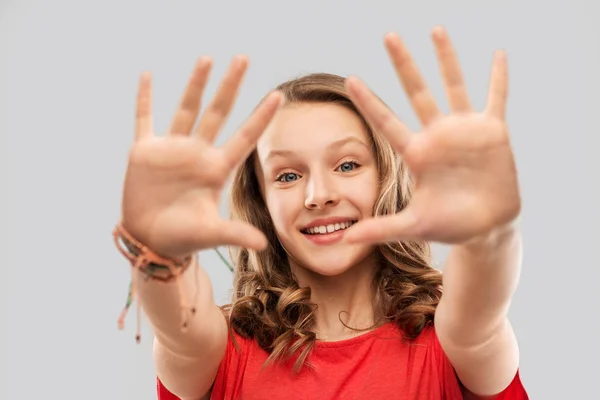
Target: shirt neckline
column 387, row 328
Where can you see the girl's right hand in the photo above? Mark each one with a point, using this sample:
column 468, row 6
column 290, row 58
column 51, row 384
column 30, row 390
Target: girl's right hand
column 173, row 183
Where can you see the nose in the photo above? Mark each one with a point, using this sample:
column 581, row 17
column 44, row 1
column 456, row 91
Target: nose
column 320, row 193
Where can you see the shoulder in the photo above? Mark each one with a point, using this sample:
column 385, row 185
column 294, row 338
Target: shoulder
column 241, row 353
column 515, row 390
column 230, row 369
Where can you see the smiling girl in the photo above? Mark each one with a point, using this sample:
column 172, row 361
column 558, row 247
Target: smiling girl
column 335, row 297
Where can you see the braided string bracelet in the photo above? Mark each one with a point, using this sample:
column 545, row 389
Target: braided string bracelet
column 154, row 267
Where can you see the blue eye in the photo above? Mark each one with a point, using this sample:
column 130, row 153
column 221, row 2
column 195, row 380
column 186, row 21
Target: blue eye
column 287, row 177
column 348, row 166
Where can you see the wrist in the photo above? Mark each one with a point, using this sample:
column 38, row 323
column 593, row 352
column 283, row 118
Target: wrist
column 492, row 239
column 146, row 260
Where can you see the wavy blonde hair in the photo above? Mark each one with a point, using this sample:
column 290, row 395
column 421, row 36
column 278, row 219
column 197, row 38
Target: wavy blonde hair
column 270, row 307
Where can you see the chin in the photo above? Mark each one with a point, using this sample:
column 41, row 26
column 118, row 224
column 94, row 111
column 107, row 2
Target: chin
column 331, row 260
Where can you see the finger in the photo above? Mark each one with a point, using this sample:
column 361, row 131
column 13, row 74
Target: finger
column 186, row 114
column 242, row 234
column 378, row 114
column 402, row 226
column 243, row 142
column 454, row 83
column 498, row 92
column 218, row 110
column 416, row 89
column 143, row 120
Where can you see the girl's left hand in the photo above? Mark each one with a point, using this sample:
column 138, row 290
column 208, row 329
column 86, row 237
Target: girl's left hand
column 462, row 163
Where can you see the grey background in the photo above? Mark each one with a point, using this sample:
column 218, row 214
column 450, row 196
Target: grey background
column 68, row 76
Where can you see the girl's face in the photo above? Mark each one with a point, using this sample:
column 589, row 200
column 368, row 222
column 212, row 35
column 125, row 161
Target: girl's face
column 318, row 175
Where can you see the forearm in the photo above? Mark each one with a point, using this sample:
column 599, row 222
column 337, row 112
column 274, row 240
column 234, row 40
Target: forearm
column 479, row 280
column 161, row 303
column 471, row 319
column 185, row 362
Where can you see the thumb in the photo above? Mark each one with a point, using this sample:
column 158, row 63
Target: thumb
column 242, row 234
column 403, row 226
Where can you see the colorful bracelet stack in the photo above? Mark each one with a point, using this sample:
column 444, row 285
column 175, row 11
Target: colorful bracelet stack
column 154, row 267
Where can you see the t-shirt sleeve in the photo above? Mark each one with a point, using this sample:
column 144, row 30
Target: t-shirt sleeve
column 514, row 391
column 229, row 373
column 163, row 393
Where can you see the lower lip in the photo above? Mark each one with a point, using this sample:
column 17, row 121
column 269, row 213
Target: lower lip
column 326, row 238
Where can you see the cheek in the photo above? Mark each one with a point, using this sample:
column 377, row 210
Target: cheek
column 282, row 207
column 369, row 191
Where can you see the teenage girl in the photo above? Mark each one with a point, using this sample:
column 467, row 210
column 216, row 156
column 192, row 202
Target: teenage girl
column 334, row 202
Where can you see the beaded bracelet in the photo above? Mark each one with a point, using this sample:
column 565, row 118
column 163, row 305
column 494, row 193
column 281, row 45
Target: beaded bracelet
column 154, row 267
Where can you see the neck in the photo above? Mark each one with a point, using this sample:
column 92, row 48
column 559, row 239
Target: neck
column 344, row 302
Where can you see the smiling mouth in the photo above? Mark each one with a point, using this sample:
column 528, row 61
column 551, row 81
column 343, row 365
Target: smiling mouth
column 326, row 229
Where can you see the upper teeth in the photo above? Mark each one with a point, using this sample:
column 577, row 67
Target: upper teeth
column 329, row 228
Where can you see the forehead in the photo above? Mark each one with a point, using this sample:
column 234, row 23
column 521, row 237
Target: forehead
column 309, row 127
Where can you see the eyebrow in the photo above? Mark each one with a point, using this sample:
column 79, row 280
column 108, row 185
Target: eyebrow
column 337, row 143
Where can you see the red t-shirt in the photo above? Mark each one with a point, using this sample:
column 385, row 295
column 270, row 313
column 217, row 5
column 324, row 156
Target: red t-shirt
column 376, row 365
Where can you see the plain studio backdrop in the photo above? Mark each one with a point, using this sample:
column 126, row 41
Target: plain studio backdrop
column 68, row 79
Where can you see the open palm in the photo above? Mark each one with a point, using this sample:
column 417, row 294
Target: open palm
column 173, row 183
column 462, row 163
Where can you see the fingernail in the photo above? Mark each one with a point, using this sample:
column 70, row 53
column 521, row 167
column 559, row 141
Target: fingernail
column 390, row 36
column 242, row 58
column 204, row 60
column 439, row 31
